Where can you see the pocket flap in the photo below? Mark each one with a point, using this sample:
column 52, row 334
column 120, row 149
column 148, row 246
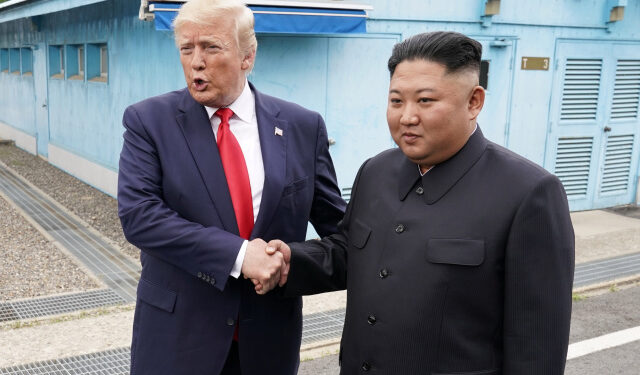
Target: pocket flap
column 295, row 186
column 156, row 295
column 359, row 234
column 454, row 251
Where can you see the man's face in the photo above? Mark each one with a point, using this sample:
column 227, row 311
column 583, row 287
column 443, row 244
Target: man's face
column 430, row 113
column 213, row 64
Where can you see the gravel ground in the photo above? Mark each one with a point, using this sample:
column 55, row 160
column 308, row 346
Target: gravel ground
column 30, row 265
column 94, row 207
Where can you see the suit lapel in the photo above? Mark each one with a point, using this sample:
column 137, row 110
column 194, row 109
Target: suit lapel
column 274, row 156
column 197, row 131
column 439, row 180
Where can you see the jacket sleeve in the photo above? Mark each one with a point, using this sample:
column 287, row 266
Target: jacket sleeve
column 151, row 225
column 319, row 266
column 539, row 266
column 328, row 207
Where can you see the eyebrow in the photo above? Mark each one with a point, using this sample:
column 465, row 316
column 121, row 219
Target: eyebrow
column 202, row 39
column 394, row 91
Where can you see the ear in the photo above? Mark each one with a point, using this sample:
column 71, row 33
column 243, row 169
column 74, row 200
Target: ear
column 476, row 101
column 248, row 60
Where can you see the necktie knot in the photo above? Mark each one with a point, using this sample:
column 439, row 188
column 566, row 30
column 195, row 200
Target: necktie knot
column 224, row 114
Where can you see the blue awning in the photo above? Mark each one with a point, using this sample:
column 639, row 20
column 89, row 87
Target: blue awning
column 278, row 19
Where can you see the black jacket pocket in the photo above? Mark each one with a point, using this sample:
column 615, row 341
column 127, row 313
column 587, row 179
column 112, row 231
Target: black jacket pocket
column 454, row 251
column 156, row 295
column 359, row 234
column 485, row 372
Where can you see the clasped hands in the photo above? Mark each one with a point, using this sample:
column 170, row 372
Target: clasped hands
column 266, row 264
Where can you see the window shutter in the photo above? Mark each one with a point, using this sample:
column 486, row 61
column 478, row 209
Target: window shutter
column 581, row 89
column 626, row 90
column 617, row 164
column 573, row 163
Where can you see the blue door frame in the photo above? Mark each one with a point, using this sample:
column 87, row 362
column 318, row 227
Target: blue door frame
column 593, row 131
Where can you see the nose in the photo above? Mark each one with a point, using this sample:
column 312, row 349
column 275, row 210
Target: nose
column 197, row 61
column 409, row 115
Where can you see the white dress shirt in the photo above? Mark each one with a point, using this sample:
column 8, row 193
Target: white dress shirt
column 244, row 126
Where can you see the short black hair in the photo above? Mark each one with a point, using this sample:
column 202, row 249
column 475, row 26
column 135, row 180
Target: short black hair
column 453, row 50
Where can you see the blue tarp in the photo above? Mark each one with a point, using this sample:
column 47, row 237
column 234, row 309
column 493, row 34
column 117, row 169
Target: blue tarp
column 285, row 20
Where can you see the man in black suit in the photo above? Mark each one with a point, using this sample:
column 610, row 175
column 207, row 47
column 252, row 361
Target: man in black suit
column 457, row 254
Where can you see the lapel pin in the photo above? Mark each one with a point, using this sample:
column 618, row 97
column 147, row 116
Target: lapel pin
column 278, row 131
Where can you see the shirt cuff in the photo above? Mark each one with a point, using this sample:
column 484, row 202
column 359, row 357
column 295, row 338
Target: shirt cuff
column 237, row 267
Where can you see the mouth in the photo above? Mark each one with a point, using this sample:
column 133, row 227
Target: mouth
column 409, row 137
column 199, row 84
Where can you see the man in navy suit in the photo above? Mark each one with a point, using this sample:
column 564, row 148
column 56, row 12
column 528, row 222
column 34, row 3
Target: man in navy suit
column 204, row 173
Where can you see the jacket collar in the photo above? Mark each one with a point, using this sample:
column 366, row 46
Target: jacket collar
column 197, row 130
column 442, row 177
column 273, row 145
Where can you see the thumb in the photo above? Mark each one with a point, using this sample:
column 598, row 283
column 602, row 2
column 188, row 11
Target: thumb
column 273, row 246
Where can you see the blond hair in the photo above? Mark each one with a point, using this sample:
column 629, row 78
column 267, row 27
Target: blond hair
column 205, row 13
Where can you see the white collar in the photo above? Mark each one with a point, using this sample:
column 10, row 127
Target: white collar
column 243, row 106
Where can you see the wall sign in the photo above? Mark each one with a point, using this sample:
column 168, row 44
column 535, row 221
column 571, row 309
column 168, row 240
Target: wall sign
column 535, row 63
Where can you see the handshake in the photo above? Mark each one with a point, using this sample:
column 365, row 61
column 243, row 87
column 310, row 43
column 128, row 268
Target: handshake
column 266, row 264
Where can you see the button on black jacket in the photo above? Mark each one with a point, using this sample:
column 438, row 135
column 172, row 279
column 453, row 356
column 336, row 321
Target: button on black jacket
column 467, row 270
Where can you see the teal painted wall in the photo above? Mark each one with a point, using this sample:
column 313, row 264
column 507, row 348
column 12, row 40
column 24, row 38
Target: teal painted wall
column 342, row 77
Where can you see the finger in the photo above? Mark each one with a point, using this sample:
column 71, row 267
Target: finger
column 270, row 250
column 283, row 280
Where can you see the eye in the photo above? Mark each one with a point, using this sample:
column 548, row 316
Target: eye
column 395, row 101
column 186, row 50
column 425, row 100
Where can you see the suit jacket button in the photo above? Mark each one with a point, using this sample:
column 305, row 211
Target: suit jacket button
column 230, row 322
column 213, row 281
column 366, row 366
column 419, row 190
column 399, row 228
column 371, row 319
column 384, row 273
column 200, row 275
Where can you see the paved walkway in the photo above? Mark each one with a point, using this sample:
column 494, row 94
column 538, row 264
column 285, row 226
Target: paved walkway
column 607, row 251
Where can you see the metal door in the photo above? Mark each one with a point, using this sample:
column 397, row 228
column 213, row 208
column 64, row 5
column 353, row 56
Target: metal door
column 496, row 77
column 593, row 138
column 40, row 79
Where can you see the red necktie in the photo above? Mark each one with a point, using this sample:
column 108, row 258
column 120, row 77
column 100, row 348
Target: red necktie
column 235, row 169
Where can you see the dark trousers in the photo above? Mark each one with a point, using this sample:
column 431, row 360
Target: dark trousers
column 232, row 365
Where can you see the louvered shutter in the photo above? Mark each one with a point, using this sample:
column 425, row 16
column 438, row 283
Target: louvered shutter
column 581, row 89
column 573, row 163
column 626, row 90
column 346, row 194
column 617, row 164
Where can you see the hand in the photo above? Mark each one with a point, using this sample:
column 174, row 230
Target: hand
column 262, row 268
column 277, row 247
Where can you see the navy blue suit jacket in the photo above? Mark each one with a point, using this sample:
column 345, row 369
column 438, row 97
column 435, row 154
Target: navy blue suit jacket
column 174, row 204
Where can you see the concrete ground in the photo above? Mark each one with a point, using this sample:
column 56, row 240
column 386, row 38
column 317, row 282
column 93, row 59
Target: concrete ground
column 599, row 235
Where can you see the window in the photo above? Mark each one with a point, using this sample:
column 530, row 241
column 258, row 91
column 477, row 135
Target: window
column 484, row 74
column 75, row 61
column 97, row 63
column 104, row 61
column 27, row 61
column 81, row 60
column 14, row 60
column 56, row 61
column 4, row 59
